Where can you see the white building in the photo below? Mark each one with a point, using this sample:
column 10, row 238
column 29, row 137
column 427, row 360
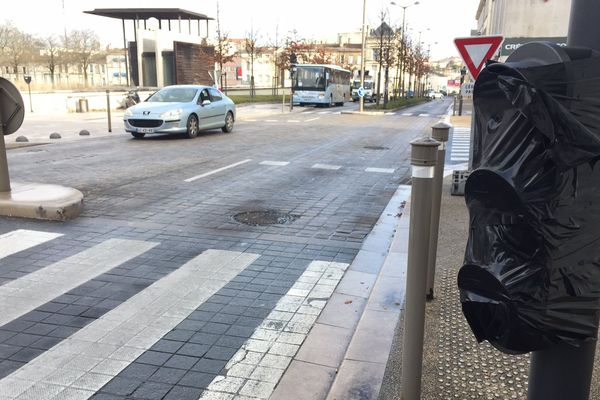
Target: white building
column 522, row 21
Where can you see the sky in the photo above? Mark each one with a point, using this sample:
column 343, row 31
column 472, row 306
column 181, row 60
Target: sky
column 438, row 21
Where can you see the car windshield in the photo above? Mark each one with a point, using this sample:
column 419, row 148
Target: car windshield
column 367, row 85
column 173, row 95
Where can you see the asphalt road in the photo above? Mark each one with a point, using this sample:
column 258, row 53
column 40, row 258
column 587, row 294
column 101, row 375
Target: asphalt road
column 165, row 205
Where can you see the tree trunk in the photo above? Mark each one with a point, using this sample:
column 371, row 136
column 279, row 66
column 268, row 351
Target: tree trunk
column 385, row 87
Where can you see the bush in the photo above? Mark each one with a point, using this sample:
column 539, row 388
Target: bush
column 399, row 103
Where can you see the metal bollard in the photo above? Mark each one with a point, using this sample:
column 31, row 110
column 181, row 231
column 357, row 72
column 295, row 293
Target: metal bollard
column 423, row 161
column 4, row 175
column 439, row 132
column 108, row 110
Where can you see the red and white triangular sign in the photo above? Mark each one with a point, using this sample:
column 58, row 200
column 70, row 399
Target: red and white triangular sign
column 476, row 50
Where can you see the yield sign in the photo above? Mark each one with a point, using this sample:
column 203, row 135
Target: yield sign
column 476, row 50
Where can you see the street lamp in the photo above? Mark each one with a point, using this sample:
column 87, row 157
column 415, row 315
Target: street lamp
column 403, row 42
column 361, row 100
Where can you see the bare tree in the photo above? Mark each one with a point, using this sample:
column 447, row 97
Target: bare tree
column 19, row 50
column 322, row 55
column 253, row 50
column 83, row 47
column 278, row 65
column 223, row 50
column 50, row 55
column 381, row 34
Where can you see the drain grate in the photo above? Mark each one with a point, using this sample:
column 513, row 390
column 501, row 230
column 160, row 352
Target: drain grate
column 265, row 217
column 376, row 147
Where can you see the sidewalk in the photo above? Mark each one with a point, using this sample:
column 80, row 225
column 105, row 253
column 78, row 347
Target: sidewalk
column 354, row 352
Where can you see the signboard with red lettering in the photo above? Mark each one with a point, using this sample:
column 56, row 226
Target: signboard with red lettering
column 476, row 50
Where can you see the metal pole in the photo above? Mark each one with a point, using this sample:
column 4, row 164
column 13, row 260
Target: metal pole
column 565, row 372
column 126, row 55
column 108, row 110
column 423, row 161
column 361, row 100
column 584, row 30
column 30, row 103
column 439, row 132
column 4, row 177
column 562, row 372
column 460, row 101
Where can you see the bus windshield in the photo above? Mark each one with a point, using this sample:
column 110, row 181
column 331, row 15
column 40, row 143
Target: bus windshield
column 308, row 77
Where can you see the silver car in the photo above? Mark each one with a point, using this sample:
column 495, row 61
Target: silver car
column 181, row 109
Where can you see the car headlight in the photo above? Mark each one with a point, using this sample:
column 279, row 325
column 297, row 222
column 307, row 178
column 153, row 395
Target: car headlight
column 172, row 113
column 128, row 113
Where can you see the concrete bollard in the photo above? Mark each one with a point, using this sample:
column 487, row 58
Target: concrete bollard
column 423, row 161
column 439, row 132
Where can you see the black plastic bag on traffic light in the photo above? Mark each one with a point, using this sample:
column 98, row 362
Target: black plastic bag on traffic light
column 531, row 276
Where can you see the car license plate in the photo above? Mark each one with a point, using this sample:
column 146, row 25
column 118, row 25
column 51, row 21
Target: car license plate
column 146, row 130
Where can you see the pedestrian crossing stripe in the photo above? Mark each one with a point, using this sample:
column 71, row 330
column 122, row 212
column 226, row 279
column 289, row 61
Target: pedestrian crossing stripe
column 22, row 239
column 94, row 355
column 270, row 349
column 25, row 294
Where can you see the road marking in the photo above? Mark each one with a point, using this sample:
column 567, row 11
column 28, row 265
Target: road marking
column 25, row 294
column 461, row 144
column 120, row 336
column 308, row 112
column 256, row 368
column 192, row 179
column 407, row 115
column 292, row 120
column 326, row 166
column 312, row 119
column 390, row 113
column 381, row 170
column 275, row 163
column 271, row 120
column 250, row 120
column 22, row 239
column 324, row 112
column 423, row 115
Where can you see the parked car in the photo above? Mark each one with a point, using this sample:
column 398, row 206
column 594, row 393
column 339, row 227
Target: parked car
column 179, row 109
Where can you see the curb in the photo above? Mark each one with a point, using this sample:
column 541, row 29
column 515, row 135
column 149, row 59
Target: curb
column 347, row 349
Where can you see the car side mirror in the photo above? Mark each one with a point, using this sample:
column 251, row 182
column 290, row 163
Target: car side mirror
column 205, row 103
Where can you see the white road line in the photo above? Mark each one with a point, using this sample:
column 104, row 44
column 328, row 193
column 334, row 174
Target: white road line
column 423, row 115
column 271, row 120
column 192, row 179
column 97, row 353
column 275, row 163
column 326, row 166
column 324, row 112
column 312, row 119
column 249, row 120
column 22, row 239
column 381, row 170
column 25, row 294
column 292, row 120
column 274, row 343
column 390, row 113
column 407, row 115
column 308, row 112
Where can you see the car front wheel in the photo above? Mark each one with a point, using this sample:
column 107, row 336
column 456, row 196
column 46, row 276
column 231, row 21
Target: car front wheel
column 192, row 126
column 228, row 127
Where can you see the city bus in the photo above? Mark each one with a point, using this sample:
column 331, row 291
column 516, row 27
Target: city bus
column 321, row 85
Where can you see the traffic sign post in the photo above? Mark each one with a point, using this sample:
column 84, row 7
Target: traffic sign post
column 476, row 50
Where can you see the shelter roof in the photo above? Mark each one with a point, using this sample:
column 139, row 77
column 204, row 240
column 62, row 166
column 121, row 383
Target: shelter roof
column 146, row 13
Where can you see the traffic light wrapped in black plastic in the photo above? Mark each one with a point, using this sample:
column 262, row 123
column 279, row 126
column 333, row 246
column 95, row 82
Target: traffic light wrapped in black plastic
column 531, row 276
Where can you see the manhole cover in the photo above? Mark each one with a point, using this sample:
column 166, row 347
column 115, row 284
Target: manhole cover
column 377, row 148
column 268, row 217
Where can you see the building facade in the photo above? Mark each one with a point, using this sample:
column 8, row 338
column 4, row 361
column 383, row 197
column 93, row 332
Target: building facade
column 522, row 21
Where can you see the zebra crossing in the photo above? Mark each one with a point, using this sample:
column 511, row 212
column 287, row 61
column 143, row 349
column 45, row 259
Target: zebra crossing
column 460, row 145
column 145, row 332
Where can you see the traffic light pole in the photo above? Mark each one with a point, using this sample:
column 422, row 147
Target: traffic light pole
column 565, row 372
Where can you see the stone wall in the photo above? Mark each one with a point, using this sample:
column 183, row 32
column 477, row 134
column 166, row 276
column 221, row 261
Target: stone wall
column 193, row 62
